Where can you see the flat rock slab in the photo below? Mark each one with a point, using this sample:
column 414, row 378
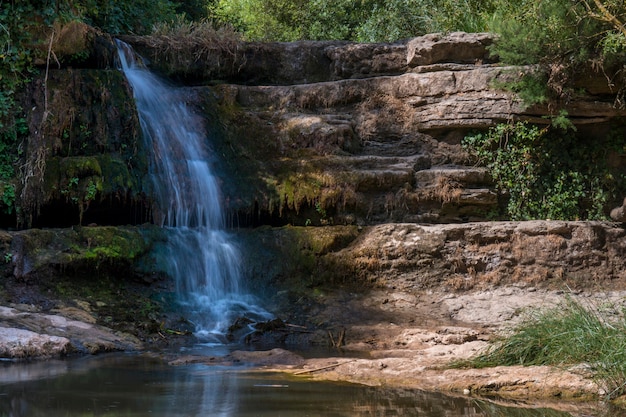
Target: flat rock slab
column 19, row 343
column 27, row 334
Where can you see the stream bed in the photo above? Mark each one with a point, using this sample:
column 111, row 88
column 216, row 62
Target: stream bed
column 140, row 385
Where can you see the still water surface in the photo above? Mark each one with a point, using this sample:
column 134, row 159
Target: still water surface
column 132, row 385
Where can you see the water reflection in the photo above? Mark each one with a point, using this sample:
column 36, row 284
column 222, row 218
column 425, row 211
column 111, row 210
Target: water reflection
column 138, row 386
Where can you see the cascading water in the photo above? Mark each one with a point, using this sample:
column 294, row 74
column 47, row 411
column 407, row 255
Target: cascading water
column 201, row 254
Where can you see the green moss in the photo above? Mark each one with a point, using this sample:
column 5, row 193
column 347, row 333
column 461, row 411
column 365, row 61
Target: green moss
column 111, row 244
column 118, row 177
column 80, row 167
column 81, row 248
column 298, row 255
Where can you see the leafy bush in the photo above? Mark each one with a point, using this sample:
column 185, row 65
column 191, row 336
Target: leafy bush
column 15, row 71
column 568, row 334
column 548, row 172
column 562, row 37
column 363, row 20
column 124, row 16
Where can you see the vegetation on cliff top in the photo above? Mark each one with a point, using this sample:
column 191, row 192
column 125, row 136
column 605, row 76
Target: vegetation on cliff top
column 563, row 36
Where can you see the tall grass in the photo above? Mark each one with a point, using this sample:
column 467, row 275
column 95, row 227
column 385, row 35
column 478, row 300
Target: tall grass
column 566, row 335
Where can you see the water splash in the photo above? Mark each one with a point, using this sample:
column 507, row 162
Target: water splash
column 201, row 254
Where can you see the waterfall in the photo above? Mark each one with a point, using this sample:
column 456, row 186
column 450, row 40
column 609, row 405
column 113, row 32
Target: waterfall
column 201, row 254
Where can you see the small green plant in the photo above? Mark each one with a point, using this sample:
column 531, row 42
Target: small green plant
column 563, row 122
column 531, row 88
column 69, row 191
column 320, row 210
column 85, row 132
column 8, row 198
column 568, row 334
column 72, row 183
column 91, row 191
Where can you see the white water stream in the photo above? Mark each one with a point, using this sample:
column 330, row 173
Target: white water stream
column 201, row 253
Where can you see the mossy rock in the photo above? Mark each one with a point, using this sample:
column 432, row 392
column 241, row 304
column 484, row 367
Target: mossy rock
column 77, row 248
column 292, row 257
column 118, row 178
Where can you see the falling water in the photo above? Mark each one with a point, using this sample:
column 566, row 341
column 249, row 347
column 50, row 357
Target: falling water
column 201, row 254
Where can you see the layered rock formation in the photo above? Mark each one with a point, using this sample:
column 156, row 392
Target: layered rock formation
column 304, row 133
column 342, row 133
column 363, row 139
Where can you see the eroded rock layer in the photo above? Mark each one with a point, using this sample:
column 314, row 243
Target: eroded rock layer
column 314, row 133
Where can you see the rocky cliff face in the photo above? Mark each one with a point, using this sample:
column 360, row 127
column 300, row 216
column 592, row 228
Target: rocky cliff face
column 363, row 139
column 312, row 133
column 82, row 160
column 341, row 133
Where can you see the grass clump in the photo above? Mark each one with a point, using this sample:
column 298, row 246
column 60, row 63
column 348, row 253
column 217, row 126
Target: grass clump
column 186, row 44
column 568, row 334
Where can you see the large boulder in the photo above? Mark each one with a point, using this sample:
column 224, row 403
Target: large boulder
column 457, row 47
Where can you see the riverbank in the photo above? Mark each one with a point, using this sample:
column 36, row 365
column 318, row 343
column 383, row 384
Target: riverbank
column 389, row 305
column 427, row 335
column 411, row 344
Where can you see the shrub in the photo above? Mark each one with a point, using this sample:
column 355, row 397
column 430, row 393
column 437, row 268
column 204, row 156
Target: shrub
column 363, row 20
column 549, row 172
column 562, row 37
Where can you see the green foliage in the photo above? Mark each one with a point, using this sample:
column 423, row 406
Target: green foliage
column 13, row 128
column 562, row 37
column 530, row 88
column 272, row 19
column 91, row 191
column 613, row 47
column 195, row 10
column 124, row 16
column 393, row 20
column 16, row 67
column 548, row 172
column 336, row 20
column 112, row 16
column 568, row 334
column 533, row 30
column 15, row 63
column 362, row 20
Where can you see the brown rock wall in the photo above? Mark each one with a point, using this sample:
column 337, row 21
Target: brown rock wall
column 478, row 255
column 292, row 124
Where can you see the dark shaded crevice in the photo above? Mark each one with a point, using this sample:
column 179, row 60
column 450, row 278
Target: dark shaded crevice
column 102, row 213
column 306, row 215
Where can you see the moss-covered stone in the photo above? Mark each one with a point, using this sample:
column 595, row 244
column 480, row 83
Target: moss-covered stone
column 290, row 267
column 108, row 273
column 86, row 152
column 77, row 248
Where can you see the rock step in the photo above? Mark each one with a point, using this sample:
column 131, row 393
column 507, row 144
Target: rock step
column 303, row 62
column 378, row 189
column 475, row 176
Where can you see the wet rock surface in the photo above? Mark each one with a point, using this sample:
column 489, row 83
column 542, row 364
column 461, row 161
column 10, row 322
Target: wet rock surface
column 404, row 301
column 31, row 334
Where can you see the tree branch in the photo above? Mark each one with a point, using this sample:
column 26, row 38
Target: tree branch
column 607, row 16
